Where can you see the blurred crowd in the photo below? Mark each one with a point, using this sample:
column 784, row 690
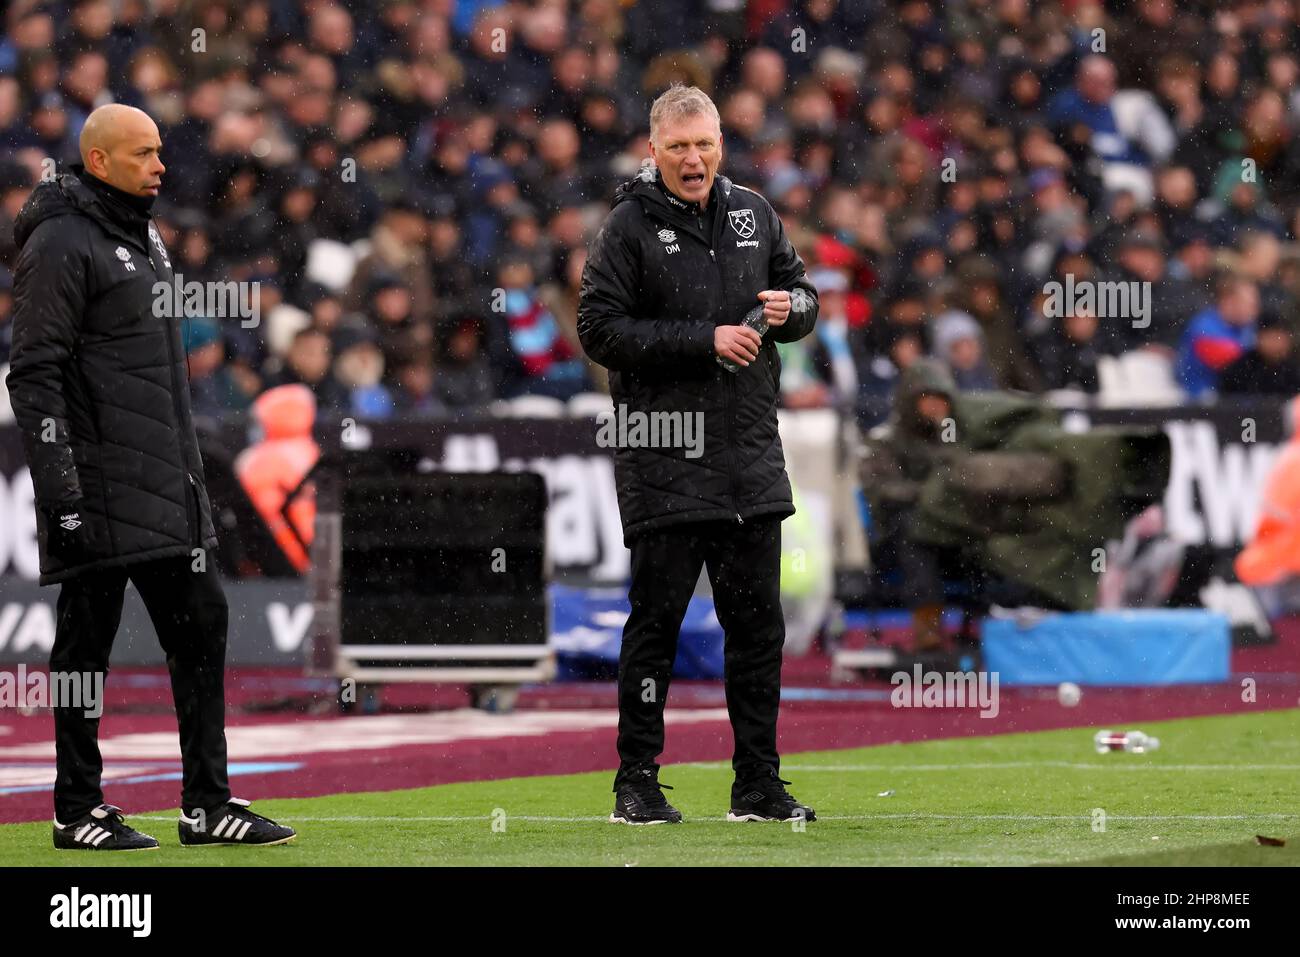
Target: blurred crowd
column 412, row 183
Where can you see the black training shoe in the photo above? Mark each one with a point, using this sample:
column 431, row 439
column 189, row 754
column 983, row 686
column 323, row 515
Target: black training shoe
column 232, row 823
column 101, row 829
column 766, row 799
column 638, row 800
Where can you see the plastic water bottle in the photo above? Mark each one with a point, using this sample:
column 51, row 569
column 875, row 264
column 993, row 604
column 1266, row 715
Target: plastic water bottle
column 756, row 321
column 1134, row 742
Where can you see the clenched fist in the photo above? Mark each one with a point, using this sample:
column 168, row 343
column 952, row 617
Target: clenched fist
column 776, row 306
column 738, row 344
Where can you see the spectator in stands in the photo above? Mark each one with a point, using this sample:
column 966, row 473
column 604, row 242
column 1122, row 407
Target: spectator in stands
column 905, row 310
column 453, row 277
column 413, row 390
column 547, row 362
column 463, row 149
column 1172, row 301
column 324, row 308
column 464, row 377
column 494, row 191
column 295, row 227
column 215, row 390
column 1259, row 259
column 561, row 177
column 1238, row 207
column 398, row 248
column 882, row 374
column 14, row 131
column 341, row 214
column 186, row 232
column 562, row 299
column 1056, row 219
column 359, row 368
column 308, row 362
column 50, row 122
column 1269, row 367
column 1175, row 205
column 1069, row 352
column 1218, row 335
column 959, row 345
column 1126, row 135
column 390, row 310
column 834, row 354
column 1193, row 262
column 243, row 223
column 15, row 183
column 980, row 295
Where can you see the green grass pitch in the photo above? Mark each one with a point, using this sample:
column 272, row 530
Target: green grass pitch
column 1023, row 799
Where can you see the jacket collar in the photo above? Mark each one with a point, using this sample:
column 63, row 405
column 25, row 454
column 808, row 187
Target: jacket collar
column 117, row 218
column 683, row 206
column 648, row 189
column 131, row 210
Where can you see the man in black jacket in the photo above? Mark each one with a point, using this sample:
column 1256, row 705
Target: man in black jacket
column 98, row 387
column 683, row 257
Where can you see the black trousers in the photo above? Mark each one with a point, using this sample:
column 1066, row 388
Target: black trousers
column 189, row 613
column 744, row 565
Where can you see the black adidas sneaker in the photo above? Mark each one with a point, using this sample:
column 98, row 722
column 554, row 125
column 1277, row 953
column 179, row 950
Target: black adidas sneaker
column 766, row 799
column 639, row 800
column 101, row 829
column 232, row 823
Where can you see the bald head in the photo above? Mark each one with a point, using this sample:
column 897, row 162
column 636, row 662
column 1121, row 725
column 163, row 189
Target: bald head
column 120, row 145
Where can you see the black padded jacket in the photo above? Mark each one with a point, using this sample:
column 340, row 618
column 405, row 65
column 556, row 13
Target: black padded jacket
column 654, row 288
column 98, row 381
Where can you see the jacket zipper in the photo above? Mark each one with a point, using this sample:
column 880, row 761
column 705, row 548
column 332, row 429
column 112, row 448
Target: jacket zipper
column 190, row 496
column 730, row 379
column 192, row 511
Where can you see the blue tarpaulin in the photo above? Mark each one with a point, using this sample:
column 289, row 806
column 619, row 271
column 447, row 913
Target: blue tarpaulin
column 587, row 629
column 1137, row 647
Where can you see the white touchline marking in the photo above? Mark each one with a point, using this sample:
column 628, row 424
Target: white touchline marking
column 1058, row 817
column 455, row 819
column 1008, row 765
column 414, row 820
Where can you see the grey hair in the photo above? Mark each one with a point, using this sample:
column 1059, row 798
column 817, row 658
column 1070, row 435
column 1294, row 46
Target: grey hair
column 678, row 102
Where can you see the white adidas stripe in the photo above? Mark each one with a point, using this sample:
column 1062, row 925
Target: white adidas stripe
column 231, row 828
column 102, row 838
